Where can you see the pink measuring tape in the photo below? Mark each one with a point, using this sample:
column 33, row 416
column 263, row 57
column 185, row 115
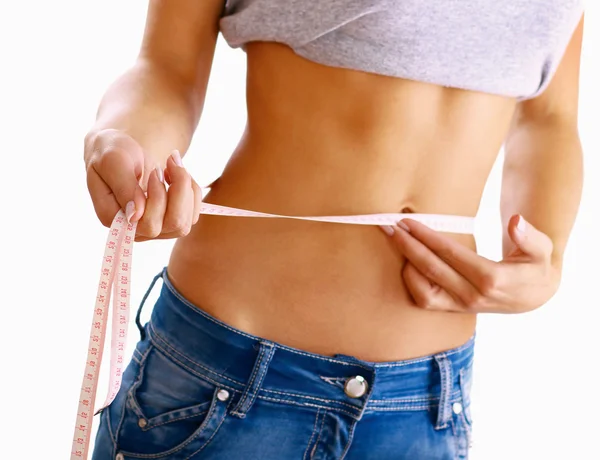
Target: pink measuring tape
column 116, row 277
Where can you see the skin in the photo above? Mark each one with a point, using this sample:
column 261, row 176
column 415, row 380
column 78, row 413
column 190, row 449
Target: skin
column 322, row 141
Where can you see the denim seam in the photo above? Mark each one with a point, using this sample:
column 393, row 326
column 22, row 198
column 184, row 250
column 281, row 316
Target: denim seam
column 400, row 408
column 335, row 381
column 197, row 310
column 456, row 394
column 314, row 449
column 332, row 401
column 110, row 431
column 264, row 366
column 303, row 404
column 312, row 435
column 350, row 439
column 194, row 372
column 141, row 370
column 244, row 397
column 166, row 344
column 181, row 446
column 208, row 441
column 135, row 358
column 445, row 379
column 177, row 419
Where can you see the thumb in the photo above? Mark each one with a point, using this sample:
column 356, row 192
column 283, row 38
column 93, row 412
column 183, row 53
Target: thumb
column 529, row 239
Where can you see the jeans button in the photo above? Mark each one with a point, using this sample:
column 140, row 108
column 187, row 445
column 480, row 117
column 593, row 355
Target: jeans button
column 120, row 456
column 222, row 395
column 356, row 387
column 457, row 408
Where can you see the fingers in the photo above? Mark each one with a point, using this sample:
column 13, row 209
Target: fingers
column 426, row 294
column 114, row 170
column 431, row 266
column 105, row 203
column 197, row 202
column 179, row 215
column 151, row 224
column 470, row 265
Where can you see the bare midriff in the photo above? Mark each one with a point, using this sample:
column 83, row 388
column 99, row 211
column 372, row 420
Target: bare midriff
column 330, row 141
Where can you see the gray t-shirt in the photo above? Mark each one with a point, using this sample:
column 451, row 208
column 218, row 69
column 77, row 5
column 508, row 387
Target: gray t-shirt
column 506, row 47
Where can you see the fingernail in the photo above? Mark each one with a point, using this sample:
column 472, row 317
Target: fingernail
column 403, row 226
column 388, row 229
column 129, row 211
column 160, row 174
column 522, row 224
column 177, row 158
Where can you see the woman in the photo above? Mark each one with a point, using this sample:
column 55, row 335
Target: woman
column 284, row 339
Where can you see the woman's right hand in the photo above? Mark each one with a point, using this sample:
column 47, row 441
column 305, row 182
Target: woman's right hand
column 121, row 176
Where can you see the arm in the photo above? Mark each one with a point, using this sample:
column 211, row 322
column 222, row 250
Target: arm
column 543, row 167
column 158, row 101
column 148, row 113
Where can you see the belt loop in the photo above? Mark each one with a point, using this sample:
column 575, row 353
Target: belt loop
column 139, row 312
column 265, row 353
column 444, row 409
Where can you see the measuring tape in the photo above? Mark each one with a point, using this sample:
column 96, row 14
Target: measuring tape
column 116, row 275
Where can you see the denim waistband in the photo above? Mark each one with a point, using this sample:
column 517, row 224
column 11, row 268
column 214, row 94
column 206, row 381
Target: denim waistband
column 256, row 367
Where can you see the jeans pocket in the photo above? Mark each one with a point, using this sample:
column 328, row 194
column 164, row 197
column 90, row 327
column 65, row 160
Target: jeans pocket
column 169, row 410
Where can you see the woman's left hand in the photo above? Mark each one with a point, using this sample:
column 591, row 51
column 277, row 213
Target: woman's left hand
column 442, row 274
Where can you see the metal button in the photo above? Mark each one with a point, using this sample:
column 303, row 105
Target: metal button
column 457, row 408
column 356, row 387
column 120, row 456
column 142, row 423
column 222, row 395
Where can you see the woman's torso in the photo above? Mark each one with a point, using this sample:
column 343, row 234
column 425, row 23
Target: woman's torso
column 324, row 141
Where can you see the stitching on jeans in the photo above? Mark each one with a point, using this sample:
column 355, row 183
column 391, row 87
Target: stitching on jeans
column 443, row 380
column 174, row 350
column 350, row 438
column 196, row 373
column 400, row 408
column 332, row 380
column 197, row 310
column 332, row 401
column 178, row 419
column 239, row 409
column 214, row 432
column 295, row 403
column 265, row 367
column 126, row 396
column 454, row 395
column 314, row 449
column 312, row 435
column 184, row 444
column 110, row 432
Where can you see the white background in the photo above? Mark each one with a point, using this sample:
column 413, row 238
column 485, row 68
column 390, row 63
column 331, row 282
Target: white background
column 536, row 391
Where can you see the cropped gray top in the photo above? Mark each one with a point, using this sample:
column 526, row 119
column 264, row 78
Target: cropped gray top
column 506, row 47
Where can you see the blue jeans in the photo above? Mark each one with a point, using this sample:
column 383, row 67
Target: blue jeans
column 198, row 389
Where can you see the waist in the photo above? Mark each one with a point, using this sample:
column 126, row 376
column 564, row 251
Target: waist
column 229, row 356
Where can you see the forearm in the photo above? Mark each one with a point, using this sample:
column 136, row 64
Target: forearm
column 542, row 180
column 154, row 106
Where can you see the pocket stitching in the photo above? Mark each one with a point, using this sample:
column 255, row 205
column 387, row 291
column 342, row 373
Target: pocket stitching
column 153, row 423
column 192, row 437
